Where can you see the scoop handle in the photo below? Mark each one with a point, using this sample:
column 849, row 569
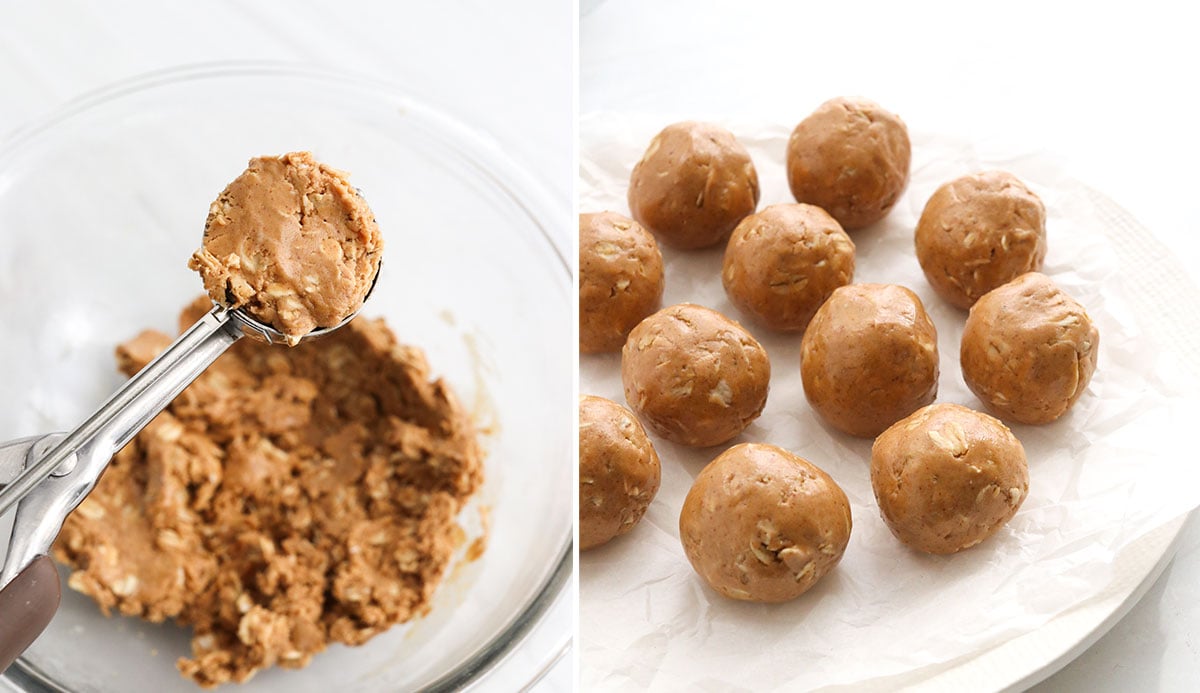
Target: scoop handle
column 26, row 606
column 130, row 408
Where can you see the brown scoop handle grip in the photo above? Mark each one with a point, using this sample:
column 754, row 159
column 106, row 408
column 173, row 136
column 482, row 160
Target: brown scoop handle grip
column 26, row 606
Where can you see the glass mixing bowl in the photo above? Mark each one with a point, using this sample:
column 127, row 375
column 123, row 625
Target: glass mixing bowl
column 100, row 206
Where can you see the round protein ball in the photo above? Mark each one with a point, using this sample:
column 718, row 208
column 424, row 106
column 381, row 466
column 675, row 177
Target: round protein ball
column 620, row 279
column 619, row 471
column 948, row 477
column 1029, row 350
column 783, row 262
column 851, row 158
column 694, row 376
column 763, row 525
column 978, row 232
column 693, row 185
column 869, row 358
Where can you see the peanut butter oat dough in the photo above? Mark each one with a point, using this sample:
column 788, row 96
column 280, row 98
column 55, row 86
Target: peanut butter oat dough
column 619, row 471
column 620, row 279
column 287, row 499
column 948, row 477
column 694, row 376
column 783, row 262
column 761, row 524
column 292, row 242
column 693, row 185
column 978, row 232
column 869, row 358
column 850, row 158
column 1029, row 350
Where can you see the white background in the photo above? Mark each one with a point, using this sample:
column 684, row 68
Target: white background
column 504, row 67
column 1109, row 91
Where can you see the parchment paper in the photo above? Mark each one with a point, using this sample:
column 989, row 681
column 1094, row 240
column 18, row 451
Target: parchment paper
column 1116, row 466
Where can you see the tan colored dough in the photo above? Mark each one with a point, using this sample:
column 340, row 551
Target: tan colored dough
column 869, row 358
column 978, row 232
column 620, row 279
column 619, row 471
column 948, row 477
column 783, row 262
column 1029, row 350
column 694, row 376
column 291, row 242
column 851, row 158
column 761, row 524
column 286, row 500
column 693, row 185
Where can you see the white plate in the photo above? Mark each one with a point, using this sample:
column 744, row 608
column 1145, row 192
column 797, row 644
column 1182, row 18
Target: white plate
column 1107, row 490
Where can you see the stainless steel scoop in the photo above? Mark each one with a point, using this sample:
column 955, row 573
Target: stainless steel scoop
column 46, row 477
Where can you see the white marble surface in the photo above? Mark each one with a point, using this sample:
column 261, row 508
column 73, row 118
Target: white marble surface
column 504, row 67
column 1107, row 91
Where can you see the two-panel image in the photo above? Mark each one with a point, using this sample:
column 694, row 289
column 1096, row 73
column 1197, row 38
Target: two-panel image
column 597, row 346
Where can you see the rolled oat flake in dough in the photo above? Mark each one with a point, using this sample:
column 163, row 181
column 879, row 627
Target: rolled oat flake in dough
column 292, row 243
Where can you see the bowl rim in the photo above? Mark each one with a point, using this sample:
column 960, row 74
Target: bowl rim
column 487, row 158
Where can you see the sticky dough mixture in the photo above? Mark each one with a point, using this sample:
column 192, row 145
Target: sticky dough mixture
column 292, row 242
column 289, row 498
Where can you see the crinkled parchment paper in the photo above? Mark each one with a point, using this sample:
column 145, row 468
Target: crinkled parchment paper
column 1112, row 469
